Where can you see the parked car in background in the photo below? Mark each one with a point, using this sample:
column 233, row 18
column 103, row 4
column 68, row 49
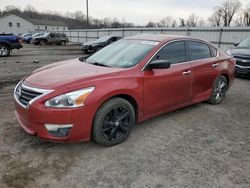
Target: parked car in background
column 26, row 37
column 98, row 44
column 9, row 42
column 137, row 78
column 51, row 38
column 241, row 53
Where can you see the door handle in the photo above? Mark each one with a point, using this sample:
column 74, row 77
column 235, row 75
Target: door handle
column 187, row 72
column 215, row 65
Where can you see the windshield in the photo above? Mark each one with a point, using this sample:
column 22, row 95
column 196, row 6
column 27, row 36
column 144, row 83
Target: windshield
column 122, row 54
column 37, row 35
column 103, row 39
column 26, row 35
column 245, row 43
column 45, row 34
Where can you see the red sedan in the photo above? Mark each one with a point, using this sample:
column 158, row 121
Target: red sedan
column 104, row 96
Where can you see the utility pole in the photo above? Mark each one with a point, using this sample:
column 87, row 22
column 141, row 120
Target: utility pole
column 87, row 10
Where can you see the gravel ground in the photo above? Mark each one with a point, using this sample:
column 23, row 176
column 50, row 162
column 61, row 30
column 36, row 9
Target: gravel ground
column 199, row 146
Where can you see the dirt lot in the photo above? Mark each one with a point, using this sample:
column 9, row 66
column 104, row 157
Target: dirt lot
column 199, row 146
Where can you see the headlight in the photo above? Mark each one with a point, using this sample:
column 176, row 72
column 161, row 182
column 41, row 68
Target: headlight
column 70, row 100
column 229, row 53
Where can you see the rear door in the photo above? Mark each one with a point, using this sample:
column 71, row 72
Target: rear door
column 166, row 89
column 205, row 68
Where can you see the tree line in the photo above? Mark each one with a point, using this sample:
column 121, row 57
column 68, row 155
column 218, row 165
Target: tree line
column 75, row 20
column 227, row 13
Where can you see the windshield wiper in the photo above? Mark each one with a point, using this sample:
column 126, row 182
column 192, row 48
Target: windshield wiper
column 100, row 64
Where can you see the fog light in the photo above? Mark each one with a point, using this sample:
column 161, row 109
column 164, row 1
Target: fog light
column 58, row 130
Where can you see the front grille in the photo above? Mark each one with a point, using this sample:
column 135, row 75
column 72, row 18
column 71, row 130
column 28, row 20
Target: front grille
column 243, row 63
column 242, row 57
column 24, row 95
column 27, row 95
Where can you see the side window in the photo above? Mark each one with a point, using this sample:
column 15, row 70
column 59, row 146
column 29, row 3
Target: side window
column 198, row 50
column 10, row 24
column 174, row 52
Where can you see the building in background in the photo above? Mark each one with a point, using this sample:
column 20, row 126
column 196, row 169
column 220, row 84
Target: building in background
column 16, row 24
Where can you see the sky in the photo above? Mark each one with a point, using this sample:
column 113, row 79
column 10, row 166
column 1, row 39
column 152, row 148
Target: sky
column 139, row 12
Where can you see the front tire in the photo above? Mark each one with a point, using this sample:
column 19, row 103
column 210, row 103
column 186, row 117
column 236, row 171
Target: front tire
column 42, row 42
column 4, row 50
column 219, row 90
column 113, row 122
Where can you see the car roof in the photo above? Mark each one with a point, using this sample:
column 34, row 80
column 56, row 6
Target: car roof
column 157, row 37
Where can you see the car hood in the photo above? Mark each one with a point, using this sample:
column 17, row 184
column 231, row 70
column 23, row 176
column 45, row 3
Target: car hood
column 92, row 43
column 69, row 72
column 241, row 52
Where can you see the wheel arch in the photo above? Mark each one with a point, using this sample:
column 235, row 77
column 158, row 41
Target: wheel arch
column 128, row 97
column 227, row 78
column 5, row 43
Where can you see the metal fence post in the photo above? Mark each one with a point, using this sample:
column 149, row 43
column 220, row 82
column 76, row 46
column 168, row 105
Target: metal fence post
column 70, row 36
column 123, row 33
column 86, row 35
column 220, row 37
column 78, row 38
column 187, row 31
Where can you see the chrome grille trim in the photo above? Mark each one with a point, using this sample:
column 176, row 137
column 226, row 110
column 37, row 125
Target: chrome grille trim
column 29, row 94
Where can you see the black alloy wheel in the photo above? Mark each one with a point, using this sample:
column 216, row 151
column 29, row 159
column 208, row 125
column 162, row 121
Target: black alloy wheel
column 113, row 122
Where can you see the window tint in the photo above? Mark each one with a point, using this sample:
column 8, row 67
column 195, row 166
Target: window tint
column 174, row 52
column 213, row 52
column 198, row 50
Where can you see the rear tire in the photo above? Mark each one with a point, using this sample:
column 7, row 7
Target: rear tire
column 4, row 50
column 113, row 122
column 219, row 90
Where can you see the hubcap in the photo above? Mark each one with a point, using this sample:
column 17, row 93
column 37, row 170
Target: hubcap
column 220, row 90
column 3, row 51
column 116, row 123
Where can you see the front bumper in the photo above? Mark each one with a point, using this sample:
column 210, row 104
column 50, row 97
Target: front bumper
column 242, row 71
column 34, row 118
column 86, row 48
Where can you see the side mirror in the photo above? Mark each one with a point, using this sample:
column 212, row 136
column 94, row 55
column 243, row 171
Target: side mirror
column 159, row 64
column 236, row 44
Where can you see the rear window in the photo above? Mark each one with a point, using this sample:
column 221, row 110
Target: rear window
column 198, row 50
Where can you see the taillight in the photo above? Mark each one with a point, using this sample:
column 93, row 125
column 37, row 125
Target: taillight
column 20, row 40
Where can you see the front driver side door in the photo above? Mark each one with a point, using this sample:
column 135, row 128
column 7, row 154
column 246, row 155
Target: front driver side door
column 167, row 89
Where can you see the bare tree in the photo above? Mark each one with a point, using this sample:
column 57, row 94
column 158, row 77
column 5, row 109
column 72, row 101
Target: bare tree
column 151, row 24
column 192, row 20
column 246, row 15
column 168, row 21
column 227, row 10
column 182, row 22
column 215, row 19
